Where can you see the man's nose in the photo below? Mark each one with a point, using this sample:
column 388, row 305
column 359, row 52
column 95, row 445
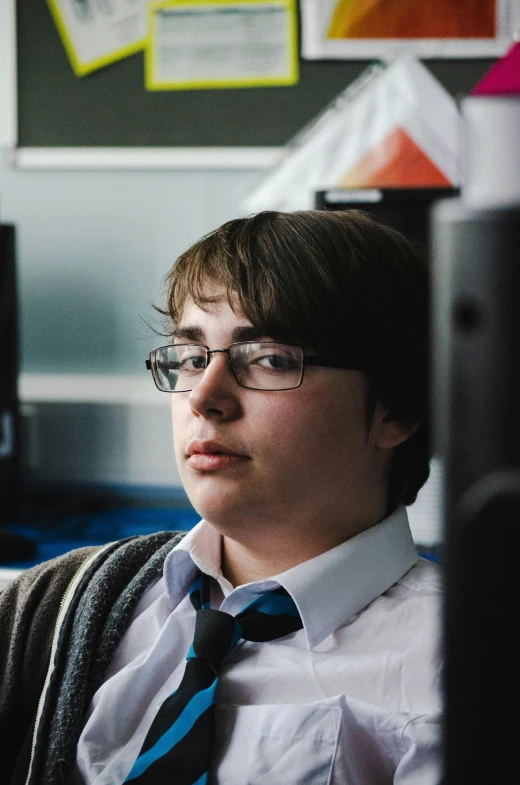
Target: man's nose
column 216, row 390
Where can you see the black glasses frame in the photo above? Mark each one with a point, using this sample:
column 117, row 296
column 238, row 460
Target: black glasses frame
column 350, row 364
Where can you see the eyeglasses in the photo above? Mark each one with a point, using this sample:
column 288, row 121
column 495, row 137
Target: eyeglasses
column 263, row 365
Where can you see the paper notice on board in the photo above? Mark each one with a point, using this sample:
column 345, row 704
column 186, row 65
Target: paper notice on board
column 368, row 29
column 219, row 43
column 98, row 32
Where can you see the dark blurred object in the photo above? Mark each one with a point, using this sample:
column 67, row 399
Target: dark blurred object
column 15, row 548
column 476, row 253
column 478, row 435
column 404, row 209
column 10, row 479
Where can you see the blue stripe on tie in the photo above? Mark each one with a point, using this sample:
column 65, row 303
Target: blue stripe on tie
column 184, row 723
column 273, row 604
column 191, row 653
column 237, row 634
column 195, row 586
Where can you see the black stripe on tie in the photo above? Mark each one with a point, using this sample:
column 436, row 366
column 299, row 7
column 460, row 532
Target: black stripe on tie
column 197, row 676
column 258, row 626
column 281, row 591
column 188, row 760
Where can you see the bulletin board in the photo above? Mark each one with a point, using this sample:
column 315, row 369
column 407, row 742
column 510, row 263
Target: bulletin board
column 112, row 108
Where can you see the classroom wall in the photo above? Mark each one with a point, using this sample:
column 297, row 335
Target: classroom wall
column 93, row 250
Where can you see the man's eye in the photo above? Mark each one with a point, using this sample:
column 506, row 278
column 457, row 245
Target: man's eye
column 168, row 367
column 190, row 363
column 275, row 362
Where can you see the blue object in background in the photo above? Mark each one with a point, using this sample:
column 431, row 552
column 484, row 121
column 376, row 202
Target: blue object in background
column 58, row 537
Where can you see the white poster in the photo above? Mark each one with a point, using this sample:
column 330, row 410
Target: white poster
column 395, row 127
column 221, row 43
column 359, row 29
column 98, row 32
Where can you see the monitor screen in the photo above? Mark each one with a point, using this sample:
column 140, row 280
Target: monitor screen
column 404, row 209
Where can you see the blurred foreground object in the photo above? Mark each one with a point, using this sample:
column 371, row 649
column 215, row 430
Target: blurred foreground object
column 476, row 251
column 394, row 127
column 9, row 431
column 12, row 546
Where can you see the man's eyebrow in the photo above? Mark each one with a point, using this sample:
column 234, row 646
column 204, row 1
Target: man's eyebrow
column 188, row 333
column 195, row 334
column 249, row 333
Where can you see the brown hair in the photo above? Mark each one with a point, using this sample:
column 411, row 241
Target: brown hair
column 329, row 281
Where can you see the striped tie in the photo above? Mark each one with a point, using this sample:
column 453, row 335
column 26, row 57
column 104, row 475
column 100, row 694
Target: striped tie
column 177, row 747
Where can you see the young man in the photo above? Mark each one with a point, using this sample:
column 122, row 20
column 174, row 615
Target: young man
column 297, row 369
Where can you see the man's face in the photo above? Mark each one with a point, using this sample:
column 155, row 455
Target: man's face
column 280, row 460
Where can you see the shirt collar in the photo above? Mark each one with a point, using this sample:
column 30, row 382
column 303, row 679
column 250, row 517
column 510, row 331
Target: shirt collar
column 200, row 549
column 328, row 590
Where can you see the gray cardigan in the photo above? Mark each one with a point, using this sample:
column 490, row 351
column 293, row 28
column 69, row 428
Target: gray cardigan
column 60, row 624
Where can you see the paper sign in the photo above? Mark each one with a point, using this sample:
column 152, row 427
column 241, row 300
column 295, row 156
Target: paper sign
column 98, row 32
column 503, row 78
column 397, row 128
column 343, row 29
column 221, row 43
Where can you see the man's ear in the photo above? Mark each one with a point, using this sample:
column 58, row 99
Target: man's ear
column 387, row 432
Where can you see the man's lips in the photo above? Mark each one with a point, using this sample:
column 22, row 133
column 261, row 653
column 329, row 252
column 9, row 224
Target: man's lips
column 212, row 456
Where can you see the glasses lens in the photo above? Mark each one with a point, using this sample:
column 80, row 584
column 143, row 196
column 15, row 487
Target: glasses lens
column 178, row 368
column 267, row 366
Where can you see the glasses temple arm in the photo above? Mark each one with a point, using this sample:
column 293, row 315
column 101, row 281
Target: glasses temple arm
column 329, row 362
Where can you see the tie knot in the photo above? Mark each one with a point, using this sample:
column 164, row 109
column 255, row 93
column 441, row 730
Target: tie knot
column 216, row 633
column 270, row 615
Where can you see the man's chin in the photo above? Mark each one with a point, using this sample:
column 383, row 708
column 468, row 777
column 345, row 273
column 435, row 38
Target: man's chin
column 218, row 507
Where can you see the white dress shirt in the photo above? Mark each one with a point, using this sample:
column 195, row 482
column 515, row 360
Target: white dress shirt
column 353, row 698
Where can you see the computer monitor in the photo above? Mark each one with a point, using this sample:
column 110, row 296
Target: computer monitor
column 404, row 209
column 9, row 409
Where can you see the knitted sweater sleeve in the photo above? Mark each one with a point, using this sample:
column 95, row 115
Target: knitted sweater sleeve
column 28, row 611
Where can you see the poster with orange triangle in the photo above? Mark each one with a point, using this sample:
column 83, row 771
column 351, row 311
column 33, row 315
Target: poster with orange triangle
column 429, row 28
column 398, row 127
column 396, row 161
column 410, row 19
